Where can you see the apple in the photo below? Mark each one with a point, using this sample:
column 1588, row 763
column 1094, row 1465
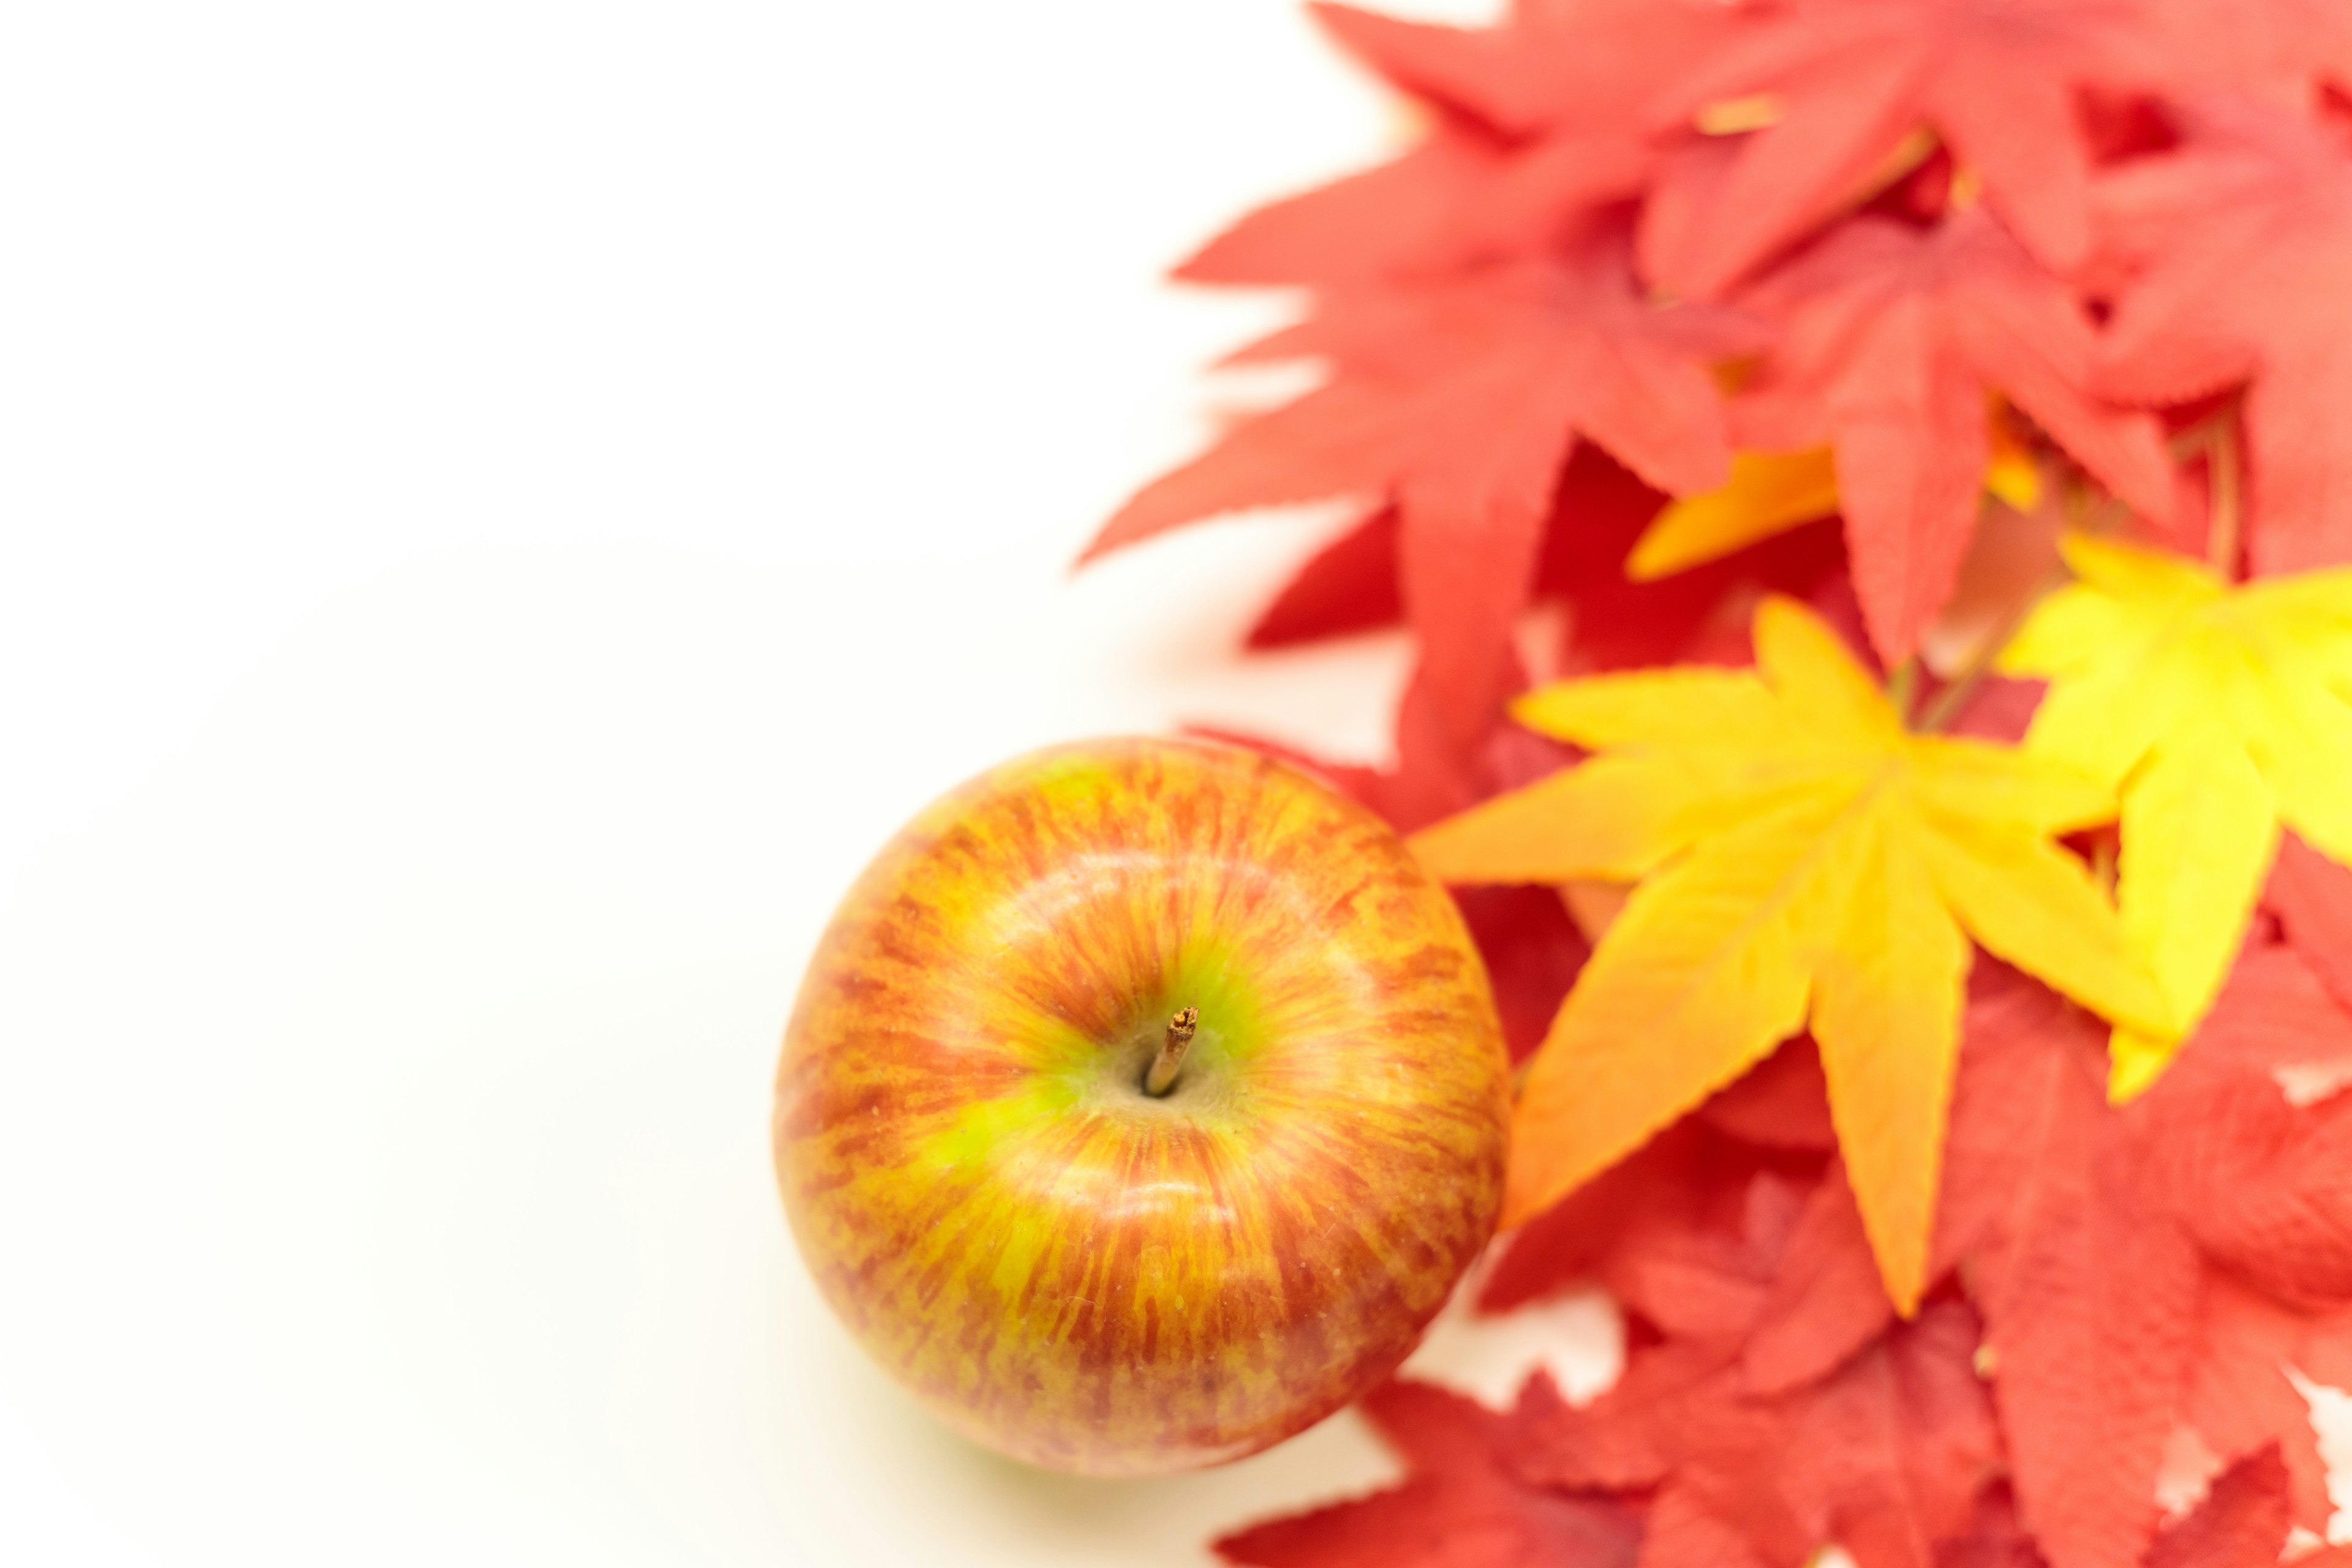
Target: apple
column 1142, row 1102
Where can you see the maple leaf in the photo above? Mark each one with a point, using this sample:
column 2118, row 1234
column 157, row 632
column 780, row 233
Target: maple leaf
column 1885, row 1455
column 1459, row 197
column 1540, row 125
column 1904, row 1439
column 2219, row 712
column 1696, row 1235
column 2275, row 1022
column 1349, row 585
column 1627, row 1438
column 1550, row 65
column 1658, row 1184
column 2242, row 241
column 2241, row 1523
column 1844, row 83
column 1783, row 1103
column 1460, row 1506
column 1460, row 402
column 1532, row 952
column 2241, row 1399
column 1894, row 339
column 2072, row 1226
column 1612, row 622
column 1803, row 857
column 1598, row 508
column 1700, row 1270
column 1714, row 1247
column 1436, row 771
column 1996, row 1538
column 1444, row 765
column 1769, row 493
column 2312, row 896
column 1825, row 1301
column 2077, row 1230
column 1683, row 1533
column 1686, row 1235
column 2263, row 1184
column 2087, row 1284
column 2278, row 49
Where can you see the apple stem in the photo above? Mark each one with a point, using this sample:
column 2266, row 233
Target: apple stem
column 1162, row 1075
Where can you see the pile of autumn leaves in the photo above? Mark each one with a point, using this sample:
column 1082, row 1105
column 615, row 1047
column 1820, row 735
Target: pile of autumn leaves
column 1914, row 883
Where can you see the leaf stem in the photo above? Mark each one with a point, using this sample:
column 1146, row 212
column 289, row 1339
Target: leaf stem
column 1902, row 688
column 2225, row 478
column 2085, row 513
column 1945, row 705
column 2188, row 442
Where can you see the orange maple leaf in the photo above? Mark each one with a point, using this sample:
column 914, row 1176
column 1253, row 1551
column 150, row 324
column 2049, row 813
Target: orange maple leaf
column 1803, row 859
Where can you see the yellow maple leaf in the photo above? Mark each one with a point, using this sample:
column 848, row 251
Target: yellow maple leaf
column 1801, row 859
column 1768, row 493
column 1772, row 492
column 2217, row 712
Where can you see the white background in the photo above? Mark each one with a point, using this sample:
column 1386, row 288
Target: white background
column 503, row 506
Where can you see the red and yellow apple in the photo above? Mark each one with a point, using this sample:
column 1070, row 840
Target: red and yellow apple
column 1068, row 1267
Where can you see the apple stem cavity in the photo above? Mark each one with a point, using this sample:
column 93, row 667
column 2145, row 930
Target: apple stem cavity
column 1161, row 1077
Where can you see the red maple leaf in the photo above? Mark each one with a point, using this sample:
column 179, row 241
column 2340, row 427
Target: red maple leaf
column 2241, row 242
column 2264, row 1185
column 1550, row 65
column 1564, row 1246
column 1613, row 622
column 2071, row 1224
column 1350, row 586
column 1684, row 1532
column 1777, row 1340
column 1532, row 952
column 2280, row 50
column 1701, row 1269
column 2241, row 1399
column 2275, row 1015
column 2075, row 1228
column 1685, row 1231
column 1850, row 80
column 1461, row 1505
column 2241, row 1523
column 1996, row 1537
column 2088, row 1286
column 1900, row 1440
column 1438, row 771
column 2312, row 896
column 1885, row 1455
column 2259, row 1184
column 1694, row 1229
column 2270, row 1198
column 1539, row 122
column 2136, row 1266
column 1460, row 402
column 1461, row 197
column 1782, row 1102
column 1629, row 1437
column 1894, row 339
column 1825, row 1301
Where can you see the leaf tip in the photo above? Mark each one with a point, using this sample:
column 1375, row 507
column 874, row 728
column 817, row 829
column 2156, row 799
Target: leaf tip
column 2135, row 1061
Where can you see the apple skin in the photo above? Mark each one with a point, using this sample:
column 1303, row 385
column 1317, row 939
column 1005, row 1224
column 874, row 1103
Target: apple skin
column 1063, row 1267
